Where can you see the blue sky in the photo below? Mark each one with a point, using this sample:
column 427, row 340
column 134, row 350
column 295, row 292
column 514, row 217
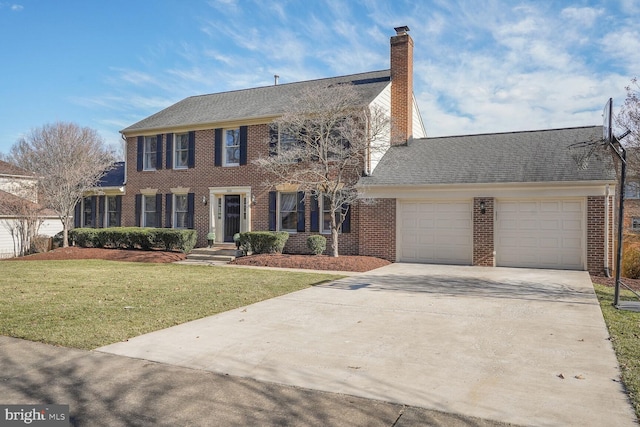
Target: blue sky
column 480, row 65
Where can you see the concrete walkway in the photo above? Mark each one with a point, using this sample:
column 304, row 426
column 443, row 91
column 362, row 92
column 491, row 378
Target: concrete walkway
column 520, row 346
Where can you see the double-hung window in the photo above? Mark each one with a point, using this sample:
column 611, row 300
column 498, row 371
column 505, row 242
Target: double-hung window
column 181, row 151
column 180, row 211
column 288, row 212
column 325, row 209
column 285, row 142
column 150, row 152
column 632, row 190
column 111, row 211
column 149, row 211
column 635, row 223
column 231, row 147
column 87, row 212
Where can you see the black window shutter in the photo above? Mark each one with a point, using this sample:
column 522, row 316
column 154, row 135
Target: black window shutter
column 169, row 210
column 191, row 203
column 158, row 210
column 272, row 210
column 169, row 155
column 138, row 209
column 140, row 152
column 243, row 145
column 315, row 214
column 273, row 140
column 218, row 147
column 118, row 211
column 300, row 211
column 346, row 224
column 159, row 152
column 77, row 215
column 100, row 223
column 191, row 161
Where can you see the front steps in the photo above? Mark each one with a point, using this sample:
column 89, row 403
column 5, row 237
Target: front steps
column 220, row 253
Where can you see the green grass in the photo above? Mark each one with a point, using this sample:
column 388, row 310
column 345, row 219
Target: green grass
column 624, row 329
column 90, row 303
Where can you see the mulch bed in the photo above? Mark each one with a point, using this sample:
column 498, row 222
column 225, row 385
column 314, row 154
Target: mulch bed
column 611, row 282
column 314, row 262
column 131, row 255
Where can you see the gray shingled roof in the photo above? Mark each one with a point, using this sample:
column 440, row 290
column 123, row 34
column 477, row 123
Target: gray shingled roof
column 114, row 177
column 10, row 169
column 515, row 157
column 251, row 103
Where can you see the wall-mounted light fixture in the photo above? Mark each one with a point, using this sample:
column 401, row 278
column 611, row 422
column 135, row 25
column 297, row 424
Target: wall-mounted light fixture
column 204, row 200
column 253, row 200
column 483, row 207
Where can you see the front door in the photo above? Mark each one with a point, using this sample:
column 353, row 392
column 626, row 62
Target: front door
column 231, row 216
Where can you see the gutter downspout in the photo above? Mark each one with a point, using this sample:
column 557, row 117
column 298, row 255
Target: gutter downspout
column 124, row 138
column 607, row 270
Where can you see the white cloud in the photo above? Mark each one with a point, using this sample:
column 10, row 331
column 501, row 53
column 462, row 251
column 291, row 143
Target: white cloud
column 581, row 16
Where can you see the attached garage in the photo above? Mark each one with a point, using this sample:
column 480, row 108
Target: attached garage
column 540, row 233
column 435, row 231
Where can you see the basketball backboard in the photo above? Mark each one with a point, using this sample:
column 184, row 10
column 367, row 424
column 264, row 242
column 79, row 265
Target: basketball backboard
column 607, row 121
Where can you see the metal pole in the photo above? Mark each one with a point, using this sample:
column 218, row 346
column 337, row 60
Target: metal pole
column 623, row 170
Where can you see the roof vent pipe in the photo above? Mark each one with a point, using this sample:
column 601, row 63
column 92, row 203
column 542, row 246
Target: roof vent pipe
column 275, row 79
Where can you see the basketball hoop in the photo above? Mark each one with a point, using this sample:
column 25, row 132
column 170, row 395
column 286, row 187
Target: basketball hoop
column 581, row 153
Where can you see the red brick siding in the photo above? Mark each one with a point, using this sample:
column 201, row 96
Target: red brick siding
column 483, row 223
column 205, row 175
column 596, row 234
column 378, row 229
column 401, row 88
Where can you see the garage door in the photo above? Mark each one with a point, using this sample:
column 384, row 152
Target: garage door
column 540, row 233
column 435, row 232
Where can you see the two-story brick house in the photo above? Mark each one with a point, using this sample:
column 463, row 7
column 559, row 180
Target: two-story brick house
column 512, row 199
column 190, row 165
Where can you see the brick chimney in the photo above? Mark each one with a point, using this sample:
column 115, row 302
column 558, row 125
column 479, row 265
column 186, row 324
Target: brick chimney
column 401, row 86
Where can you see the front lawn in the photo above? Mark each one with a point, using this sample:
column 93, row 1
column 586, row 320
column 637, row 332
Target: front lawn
column 90, row 303
column 624, row 329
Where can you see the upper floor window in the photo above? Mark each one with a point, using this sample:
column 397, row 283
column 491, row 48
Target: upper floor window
column 150, row 152
column 231, row 147
column 635, row 224
column 632, row 190
column 181, row 151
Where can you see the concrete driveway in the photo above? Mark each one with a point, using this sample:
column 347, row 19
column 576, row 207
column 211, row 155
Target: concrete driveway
column 514, row 345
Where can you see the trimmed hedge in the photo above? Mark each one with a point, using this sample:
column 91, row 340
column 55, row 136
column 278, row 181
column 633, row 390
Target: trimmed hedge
column 316, row 244
column 263, row 242
column 135, row 238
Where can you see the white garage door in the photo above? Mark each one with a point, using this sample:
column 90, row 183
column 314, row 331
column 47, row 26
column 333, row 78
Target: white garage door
column 540, row 234
column 435, row 232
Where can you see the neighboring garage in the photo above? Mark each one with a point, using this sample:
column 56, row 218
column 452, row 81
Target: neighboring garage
column 438, row 232
column 543, row 233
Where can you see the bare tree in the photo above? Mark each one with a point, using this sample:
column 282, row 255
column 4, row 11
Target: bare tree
column 68, row 160
column 628, row 119
column 326, row 139
column 23, row 219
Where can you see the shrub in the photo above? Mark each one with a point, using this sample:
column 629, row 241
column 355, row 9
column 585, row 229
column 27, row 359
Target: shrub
column 631, row 263
column 40, row 244
column 135, row 237
column 261, row 242
column 316, row 244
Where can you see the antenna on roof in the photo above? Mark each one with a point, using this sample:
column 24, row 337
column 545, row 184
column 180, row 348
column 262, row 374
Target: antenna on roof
column 275, row 79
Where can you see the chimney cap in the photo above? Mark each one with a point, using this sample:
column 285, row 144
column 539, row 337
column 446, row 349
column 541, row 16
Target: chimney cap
column 401, row 30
